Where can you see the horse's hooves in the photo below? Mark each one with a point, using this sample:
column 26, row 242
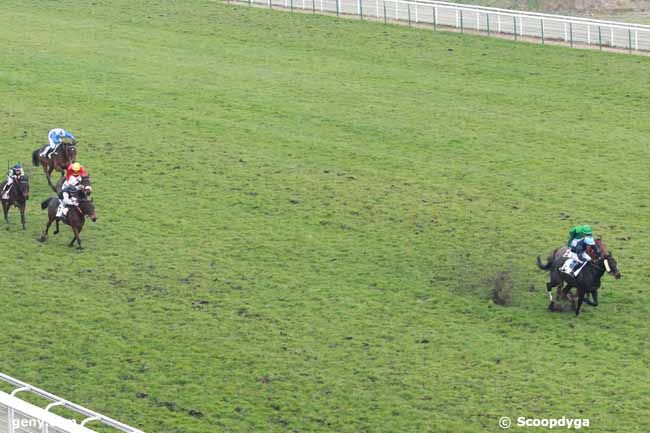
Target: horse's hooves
column 41, row 239
column 551, row 306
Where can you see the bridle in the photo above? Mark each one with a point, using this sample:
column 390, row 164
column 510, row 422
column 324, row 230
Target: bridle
column 68, row 149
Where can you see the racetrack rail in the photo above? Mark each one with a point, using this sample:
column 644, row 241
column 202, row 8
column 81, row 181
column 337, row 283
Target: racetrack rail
column 17, row 408
column 575, row 32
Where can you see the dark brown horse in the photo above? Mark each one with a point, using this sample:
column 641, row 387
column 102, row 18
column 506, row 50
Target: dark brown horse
column 75, row 218
column 18, row 195
column 587, row 281
column 65, row 155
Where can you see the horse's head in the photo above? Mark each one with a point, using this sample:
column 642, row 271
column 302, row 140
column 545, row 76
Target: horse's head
column 70, row 152
column 88, row 209
column 23, row 187
column 87, row 186
column 611, row 266
column 606, row 258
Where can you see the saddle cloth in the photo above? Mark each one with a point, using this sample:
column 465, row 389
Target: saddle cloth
column 5, row 196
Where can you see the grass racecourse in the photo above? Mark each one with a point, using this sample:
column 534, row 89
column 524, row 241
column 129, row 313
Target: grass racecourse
column 301, row 218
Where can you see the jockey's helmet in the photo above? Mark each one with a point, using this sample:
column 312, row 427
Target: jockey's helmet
column 76, row 167
column 586, row 230
column 18, row 167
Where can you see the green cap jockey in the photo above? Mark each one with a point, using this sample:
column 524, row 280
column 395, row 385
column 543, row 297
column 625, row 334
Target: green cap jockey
column 579, row 232
column 574, row 233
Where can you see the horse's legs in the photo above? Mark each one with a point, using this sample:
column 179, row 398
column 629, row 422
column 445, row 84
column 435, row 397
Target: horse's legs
column 549, row 287
column 46, row 167
column 22, row 214
column 594, row 295
column 50, row 169
column 79, row 247
column 75, row 231
column 43, row 237
column 5, row 210
column 581, row 298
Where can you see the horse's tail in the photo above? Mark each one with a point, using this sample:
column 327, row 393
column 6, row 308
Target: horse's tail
column 35, row 157
column 544, row 267
column 46, row 203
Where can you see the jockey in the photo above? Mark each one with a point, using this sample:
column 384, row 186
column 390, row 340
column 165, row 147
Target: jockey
column 55, row 137
column 74, row 174
column 577, row 233
column 579, row 247
column 69, row 198
column 15, row 173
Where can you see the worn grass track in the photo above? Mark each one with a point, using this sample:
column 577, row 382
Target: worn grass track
column 300, row 219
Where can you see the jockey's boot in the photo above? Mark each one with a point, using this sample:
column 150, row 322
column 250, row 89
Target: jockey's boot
column 47, row 153
column 577, row 265
column 61, row 211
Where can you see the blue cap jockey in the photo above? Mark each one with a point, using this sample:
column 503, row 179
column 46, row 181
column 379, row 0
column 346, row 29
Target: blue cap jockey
column 55, row 137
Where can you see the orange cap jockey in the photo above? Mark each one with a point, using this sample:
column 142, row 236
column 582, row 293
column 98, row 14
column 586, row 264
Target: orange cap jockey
column 75, row 169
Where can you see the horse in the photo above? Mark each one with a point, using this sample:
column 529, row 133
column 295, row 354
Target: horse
column 75, row 218
column 561, row 254
column 18, row 196
column 587, row 281
column 65, row 155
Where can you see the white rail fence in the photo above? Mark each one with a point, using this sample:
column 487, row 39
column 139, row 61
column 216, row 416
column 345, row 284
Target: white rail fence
column 573, row 31
column 19, row 416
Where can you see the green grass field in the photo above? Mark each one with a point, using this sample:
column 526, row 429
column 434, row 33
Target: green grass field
column 300, row 219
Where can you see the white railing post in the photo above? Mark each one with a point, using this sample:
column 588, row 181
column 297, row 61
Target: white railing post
column 612, row 37
column 521, row 26
column 499, row 22
column 416, row 13
column 10, row 419
column 457, row 18
column 377, row 7
column 588, row 34
column 478, row 21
